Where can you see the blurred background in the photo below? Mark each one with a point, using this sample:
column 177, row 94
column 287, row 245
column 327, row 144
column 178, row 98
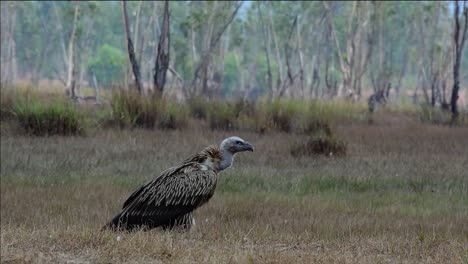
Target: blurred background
column 235, row 49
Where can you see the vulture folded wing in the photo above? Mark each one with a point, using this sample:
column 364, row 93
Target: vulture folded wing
column 169, row 196
column 142, row 189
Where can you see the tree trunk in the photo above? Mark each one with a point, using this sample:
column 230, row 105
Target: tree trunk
column 279, row 81
column 131, row 51
column 347, row 61
column 301, row 57
column 71, row 45
column 9, row 60
column 202, row 70
column 84, row 55
column 61, row 74
column 459, row 40
column 266, row 45
column 143, row 42
column 37, row 69
column 162, row 58
column 193, row 51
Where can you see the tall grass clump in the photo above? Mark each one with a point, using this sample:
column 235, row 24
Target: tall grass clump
column 59, row 117
column 130, row 109
column 322, row 141
column 222, row 115
column 281, row 114
column 198, row 107
column 337, row 110
column 435, row 115
column 173, row 116
column 7, row 99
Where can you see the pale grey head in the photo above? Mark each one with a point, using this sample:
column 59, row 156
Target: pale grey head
column 231, row 146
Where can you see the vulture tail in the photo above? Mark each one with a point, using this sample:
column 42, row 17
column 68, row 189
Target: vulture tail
column 115, row 224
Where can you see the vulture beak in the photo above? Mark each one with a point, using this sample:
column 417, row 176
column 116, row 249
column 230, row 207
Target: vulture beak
column 248, row 146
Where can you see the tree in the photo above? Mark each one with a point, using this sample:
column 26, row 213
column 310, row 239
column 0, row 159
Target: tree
column 162, row 57
column 8, row 43
column 211, row 39
column 131, row 50
column 266, row 45
column 459, row 38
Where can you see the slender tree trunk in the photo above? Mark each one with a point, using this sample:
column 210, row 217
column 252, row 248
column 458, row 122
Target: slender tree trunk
column 136, row 35
column 345, row 62
column 192, row 39
column 131, row 51
column 162, row 58
column 71, row 45
column 37, row 69
column 279, row 81
column 60, row 73
column 301, row 57
column 143, row 42
column 96, row 87
column 201, row 72
column 9, row 62
column 84, row 55
column 266, row 45
column 459, row 37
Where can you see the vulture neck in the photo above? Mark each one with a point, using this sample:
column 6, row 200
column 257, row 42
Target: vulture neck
column 226, row 161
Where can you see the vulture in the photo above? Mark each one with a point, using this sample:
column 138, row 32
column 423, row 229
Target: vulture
column 168, row 201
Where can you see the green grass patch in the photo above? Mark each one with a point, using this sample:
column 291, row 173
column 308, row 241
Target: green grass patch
column 59, row 117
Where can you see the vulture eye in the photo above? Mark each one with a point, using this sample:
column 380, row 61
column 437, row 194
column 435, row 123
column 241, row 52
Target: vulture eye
column 238, row 142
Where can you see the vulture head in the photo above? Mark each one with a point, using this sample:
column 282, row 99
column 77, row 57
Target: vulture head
column 235, row 144
column 231, row 146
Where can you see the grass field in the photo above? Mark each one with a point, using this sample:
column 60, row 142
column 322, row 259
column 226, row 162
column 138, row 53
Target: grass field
column 400, row 195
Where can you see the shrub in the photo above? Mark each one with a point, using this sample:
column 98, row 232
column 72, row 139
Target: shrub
column 198, row 107
column 336, row 110
column 130, row 109
column 7, row 99
column 222, row 115
column 433, row 115
column 281, row 115
column 57, row 118
column 322, row 143
column 174, row 116
column 312, row 123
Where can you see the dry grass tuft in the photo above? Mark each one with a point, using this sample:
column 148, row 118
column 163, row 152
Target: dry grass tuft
column 321, row 144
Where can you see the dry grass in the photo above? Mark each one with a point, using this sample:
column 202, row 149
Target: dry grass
column 399, row 196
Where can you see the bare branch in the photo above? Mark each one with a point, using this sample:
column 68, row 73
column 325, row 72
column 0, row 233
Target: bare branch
column 220, row 33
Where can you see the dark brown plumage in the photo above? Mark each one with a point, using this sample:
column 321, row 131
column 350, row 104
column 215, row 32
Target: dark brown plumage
column 169, row 200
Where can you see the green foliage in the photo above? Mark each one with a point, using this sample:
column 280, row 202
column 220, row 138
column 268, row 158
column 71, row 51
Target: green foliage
column 231, row 73
column 108, row 65
column 45, row 119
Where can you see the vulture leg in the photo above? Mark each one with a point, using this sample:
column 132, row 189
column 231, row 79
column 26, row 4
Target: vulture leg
column 183, row 222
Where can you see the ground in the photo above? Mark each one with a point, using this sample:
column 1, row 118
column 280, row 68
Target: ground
column 400, row 195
